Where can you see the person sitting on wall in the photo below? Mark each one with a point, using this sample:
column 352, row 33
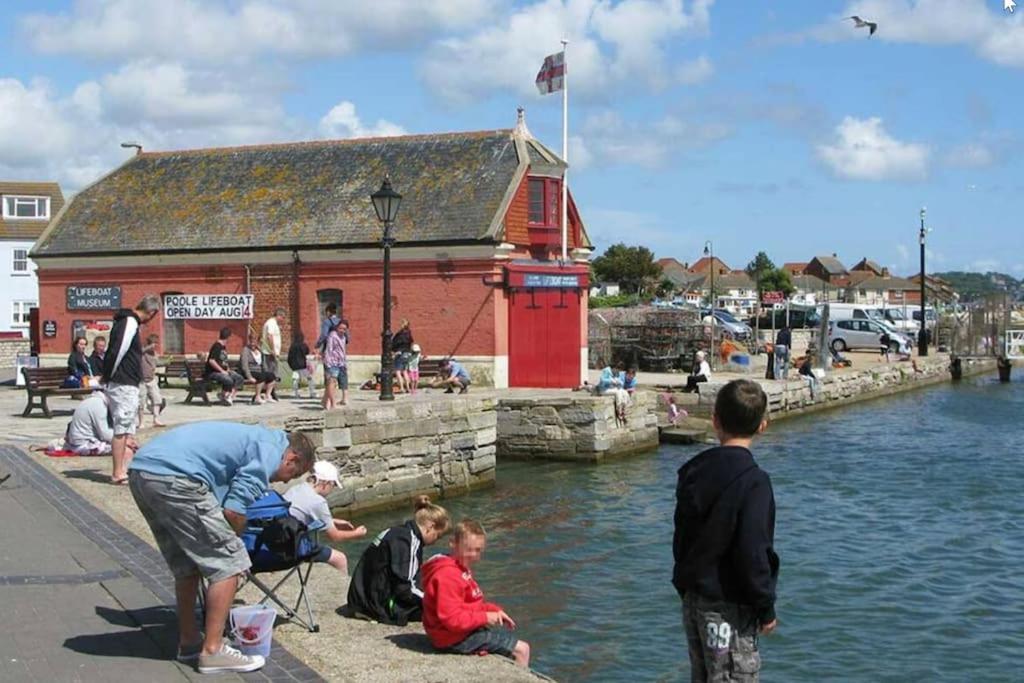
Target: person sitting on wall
column 219, row 370
column 309, row 503
column 701, row 373
column 611, row 384
column 456, row 377
column 251, row 364
column 629, row 381
column 807, row 373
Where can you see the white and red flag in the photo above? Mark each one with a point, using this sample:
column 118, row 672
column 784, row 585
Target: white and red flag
column 551, row 77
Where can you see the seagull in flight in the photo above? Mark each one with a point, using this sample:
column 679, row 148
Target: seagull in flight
column 860, row 23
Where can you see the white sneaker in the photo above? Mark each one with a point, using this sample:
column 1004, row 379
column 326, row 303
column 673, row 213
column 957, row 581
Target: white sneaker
column 229, row 660
column 228, row 400
column 259, row 400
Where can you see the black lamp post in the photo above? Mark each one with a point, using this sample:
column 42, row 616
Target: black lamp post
column 709, row 250
column 386, row 202
column 922, row 337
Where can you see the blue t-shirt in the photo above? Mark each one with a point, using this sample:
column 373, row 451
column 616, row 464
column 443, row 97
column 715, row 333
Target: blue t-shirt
column 234, row 460
column 456, row 370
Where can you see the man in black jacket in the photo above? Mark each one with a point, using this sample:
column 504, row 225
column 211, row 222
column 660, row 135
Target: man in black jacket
column 725, row 566
column 122, row 375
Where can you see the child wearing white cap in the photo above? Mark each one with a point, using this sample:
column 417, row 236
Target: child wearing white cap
column 309, row 503
column 413, row 368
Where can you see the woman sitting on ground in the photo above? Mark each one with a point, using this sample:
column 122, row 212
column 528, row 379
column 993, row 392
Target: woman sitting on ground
column 701, row 373
column 385, row 584
column 251, row 364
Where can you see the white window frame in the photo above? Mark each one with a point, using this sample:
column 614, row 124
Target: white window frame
column 19, row 198
column 15, row 270
column 21, row 309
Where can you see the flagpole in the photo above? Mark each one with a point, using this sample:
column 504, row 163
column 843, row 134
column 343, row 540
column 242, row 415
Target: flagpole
column 565, row 152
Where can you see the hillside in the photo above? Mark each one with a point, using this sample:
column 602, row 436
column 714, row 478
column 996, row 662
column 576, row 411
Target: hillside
column 972, row 286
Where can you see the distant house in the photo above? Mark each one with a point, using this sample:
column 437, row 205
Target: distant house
column 794, row 268
column 829, row 269
column 26, row 211
column 706, row 263
column 736, row 293
column 809, row 290
column 936, row 289
column 673, row 270
column 880, row 291
column 604, row 289
column 867, row 265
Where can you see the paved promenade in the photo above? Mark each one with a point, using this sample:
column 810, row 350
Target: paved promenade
column 86, row 510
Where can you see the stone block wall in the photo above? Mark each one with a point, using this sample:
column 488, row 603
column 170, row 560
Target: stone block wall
column 576, row 427
column 9, row 349
column 390, row 453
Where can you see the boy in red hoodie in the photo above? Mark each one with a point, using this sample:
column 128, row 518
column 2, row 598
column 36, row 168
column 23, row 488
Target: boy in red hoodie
column 455, row 616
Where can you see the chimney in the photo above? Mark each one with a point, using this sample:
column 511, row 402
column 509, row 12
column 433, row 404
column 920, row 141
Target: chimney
column 885, row 272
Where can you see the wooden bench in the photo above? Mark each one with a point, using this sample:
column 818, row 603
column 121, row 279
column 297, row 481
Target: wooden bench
column 174, row 370
column 429, row 369
column 41, row 383
column 198, row 384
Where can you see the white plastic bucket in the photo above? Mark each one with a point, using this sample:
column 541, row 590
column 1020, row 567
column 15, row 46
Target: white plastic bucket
column 253, row 628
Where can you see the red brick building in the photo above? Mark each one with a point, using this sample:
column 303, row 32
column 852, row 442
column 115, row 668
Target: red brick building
column 475, row 264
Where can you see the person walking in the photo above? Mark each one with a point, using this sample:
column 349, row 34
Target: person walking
column 193, row 485
column 149, row 390
column 122, row 375
column 251, row 363
column 783, row 343
column 270, row 347
column 336, row 367
column 725, row 567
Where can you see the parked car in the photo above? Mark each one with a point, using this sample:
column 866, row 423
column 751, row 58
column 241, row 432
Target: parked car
column 861, row 333
column 726, row 321
column 798, row 318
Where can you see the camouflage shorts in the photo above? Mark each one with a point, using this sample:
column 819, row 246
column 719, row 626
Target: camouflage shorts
column 722, row 639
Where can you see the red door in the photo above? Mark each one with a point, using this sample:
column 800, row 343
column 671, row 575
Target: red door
column 544, row 338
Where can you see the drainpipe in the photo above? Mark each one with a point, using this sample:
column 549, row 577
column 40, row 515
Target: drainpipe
column 296, row 265
column 248, row 289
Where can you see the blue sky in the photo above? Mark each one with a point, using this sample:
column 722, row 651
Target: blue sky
column 774, row 126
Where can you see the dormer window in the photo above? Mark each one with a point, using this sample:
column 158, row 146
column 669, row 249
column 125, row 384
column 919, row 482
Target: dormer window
column 544, row 197
column 26, row 208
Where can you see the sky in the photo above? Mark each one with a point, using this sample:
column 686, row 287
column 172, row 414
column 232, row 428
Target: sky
column 758, row 126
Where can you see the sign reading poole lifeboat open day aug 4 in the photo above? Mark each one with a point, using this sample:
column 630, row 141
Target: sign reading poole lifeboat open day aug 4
column 207, row 306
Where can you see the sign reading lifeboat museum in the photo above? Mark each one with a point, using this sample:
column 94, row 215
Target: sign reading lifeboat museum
column 207, row 306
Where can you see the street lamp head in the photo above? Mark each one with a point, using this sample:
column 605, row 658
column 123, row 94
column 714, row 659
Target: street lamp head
column 386, row 202
column 923, row 211
column 707, row 248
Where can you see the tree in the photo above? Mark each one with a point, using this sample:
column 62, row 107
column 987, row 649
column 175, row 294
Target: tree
column 777, row 280
column 758, row 269
column 633, row 268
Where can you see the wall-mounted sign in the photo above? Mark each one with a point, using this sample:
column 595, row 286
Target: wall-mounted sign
column 544, row 280
column 769, row 298
column 94, row 297
column 208, row 306
column 49, row 329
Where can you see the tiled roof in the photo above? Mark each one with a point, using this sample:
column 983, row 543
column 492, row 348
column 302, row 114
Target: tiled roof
column 808, row 283
column 455, row 188
column 29, row 230
column 794, row 267
column 868, row 265
column 886, row 284
column 703, row 265
column 831, row 264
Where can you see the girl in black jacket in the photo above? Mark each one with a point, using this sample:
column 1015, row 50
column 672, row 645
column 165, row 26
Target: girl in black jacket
column 384, row 586
column 78, row 362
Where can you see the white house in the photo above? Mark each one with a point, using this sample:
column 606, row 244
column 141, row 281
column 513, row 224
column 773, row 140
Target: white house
column 26, row 211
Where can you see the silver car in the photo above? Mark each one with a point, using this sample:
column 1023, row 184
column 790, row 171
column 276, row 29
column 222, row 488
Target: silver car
column 859, row 334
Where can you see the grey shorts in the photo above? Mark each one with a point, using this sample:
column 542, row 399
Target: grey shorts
column 189, row 526
column 493, row 640
column 340, row 374
column 124, row 407
column 722, row 639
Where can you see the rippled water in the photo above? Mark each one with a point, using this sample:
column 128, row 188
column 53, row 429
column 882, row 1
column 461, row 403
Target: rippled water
column 899, row 526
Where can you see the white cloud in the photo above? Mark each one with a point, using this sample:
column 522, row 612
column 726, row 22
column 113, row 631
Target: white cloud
column 74, row 140
column 971, row 155
column 697, row 71
column 607, row 139
column 613, row 46
column 979, row 24
column 865, row 151
column 984, row 265
column 343, row 122
column 225, row 31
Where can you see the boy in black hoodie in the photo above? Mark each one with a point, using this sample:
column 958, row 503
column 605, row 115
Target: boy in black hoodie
column 725, row 566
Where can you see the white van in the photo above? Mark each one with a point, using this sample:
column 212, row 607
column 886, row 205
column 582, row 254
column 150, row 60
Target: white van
column 848, row 312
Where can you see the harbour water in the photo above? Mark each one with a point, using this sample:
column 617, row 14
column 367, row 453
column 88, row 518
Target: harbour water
column 900, row 526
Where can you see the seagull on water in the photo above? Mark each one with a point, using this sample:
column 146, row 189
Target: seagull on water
column 860, row 23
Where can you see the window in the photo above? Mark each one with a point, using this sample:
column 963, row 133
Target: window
column 19, row 314
column 544, row 202
column 28, row 208
column 20, row 261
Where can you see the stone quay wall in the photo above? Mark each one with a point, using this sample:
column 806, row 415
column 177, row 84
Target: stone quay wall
column 793, row 397
column 387, row 454
column 576, row 427
column 9, row 349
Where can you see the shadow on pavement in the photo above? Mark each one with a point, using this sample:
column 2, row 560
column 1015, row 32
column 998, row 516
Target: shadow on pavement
column 89, row 475
column 417, row 642
column 132, row 643
column 158, row 616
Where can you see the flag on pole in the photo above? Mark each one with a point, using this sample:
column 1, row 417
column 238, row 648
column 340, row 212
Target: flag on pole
column 551, row 77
